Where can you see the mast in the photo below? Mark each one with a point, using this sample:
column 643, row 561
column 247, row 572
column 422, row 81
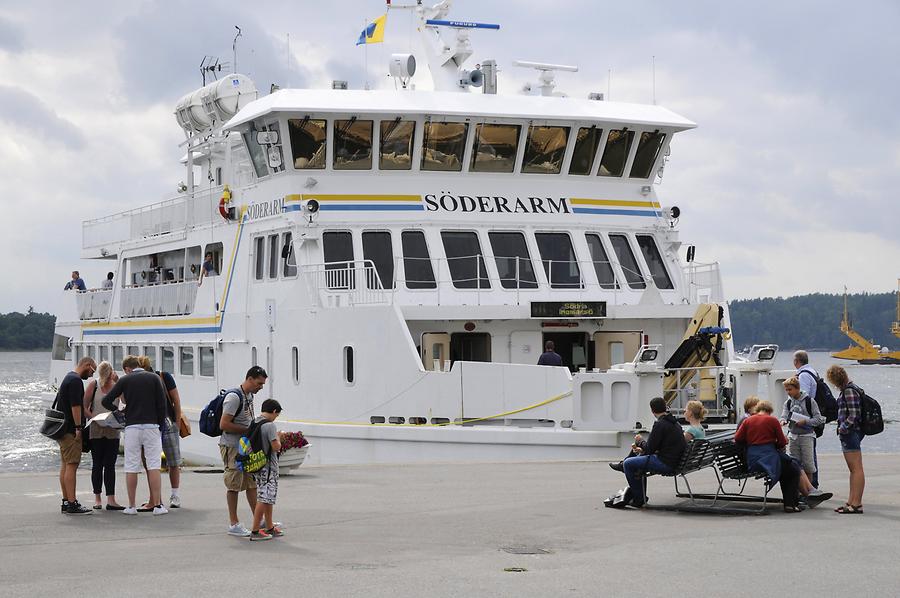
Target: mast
column 895, row 328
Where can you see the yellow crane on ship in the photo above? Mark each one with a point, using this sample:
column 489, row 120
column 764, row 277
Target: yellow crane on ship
column 864, row 351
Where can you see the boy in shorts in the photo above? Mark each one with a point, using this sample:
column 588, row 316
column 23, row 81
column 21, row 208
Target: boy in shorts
column 267, row 478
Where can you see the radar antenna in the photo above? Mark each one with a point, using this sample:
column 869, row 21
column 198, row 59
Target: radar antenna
column 212, row 65
column 546, row 76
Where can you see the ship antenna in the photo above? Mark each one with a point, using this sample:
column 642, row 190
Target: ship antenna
column 234, row 47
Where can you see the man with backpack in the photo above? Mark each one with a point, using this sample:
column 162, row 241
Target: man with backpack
column 817, row 390
column 237, row 415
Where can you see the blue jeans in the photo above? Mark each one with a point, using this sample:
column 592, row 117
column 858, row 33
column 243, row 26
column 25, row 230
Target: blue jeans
column 634, row 466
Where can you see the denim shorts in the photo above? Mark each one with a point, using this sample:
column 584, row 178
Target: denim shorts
column 850, row 441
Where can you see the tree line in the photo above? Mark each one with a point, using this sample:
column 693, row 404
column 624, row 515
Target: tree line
column 813, row 321
column 26, row 332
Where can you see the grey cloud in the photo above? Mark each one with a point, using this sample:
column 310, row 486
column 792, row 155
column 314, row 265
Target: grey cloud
column 12, row 39
column 24, row 110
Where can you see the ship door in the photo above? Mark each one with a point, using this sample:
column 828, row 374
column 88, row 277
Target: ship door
column 435, row 350
column 573, row 347
column 615, row 347
column 470, row 346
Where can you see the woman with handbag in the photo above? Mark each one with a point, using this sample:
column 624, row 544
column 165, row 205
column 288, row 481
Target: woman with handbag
column 104, row 440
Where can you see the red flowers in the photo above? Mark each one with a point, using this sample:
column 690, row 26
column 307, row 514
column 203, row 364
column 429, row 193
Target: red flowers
column 290, row 440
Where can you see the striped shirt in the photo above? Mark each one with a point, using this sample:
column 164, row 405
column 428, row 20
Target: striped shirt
column 848, row 409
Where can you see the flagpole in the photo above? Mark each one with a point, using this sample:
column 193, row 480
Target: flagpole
column 366, row 50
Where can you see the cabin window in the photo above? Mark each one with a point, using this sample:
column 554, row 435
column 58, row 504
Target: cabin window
column 443, row 145
column 91, row 352
column 417, row 269
column 254, row 359
column 618, row 144
column 79, row 353
column 186, row 360
column 149, row 352
column 397, row 138
column 308, row 138
column 117, row 355
column 168, row 359
column 134, row 350
column 495, row 148
column 259, row 250
column 338, row 252
column 654, row 261
column 646, row 154
column 207, row 361
column 348, row 365
column 61, row 348
column 216, row 250
column 257, row 153
column 559, row 259
column 465, row 260
column 273, row 256
column 545, row 149
column 586, row 143
column 513, row 261
column 295, row 364
column 104, row 354
column 353, row 144
column 377, row 249
column 602, row 266
column 289, row 259
column 630, row 268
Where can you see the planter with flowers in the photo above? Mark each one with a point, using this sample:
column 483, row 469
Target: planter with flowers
column 293, row 451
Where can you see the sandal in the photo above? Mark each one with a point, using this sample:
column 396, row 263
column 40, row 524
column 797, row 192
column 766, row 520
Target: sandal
column 849, row 509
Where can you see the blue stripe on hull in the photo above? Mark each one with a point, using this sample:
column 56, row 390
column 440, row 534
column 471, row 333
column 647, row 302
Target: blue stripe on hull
column 120, row 331
column 613, row 212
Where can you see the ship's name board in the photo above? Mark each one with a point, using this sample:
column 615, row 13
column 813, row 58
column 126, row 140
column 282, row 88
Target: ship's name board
column 496, row 204
column 568, row 309
column 264, row 209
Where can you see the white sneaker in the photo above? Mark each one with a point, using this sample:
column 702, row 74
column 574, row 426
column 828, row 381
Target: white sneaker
column 238, row 530
column 175, row 502
column 130, row 511
column 160, row 510
column 815, row 492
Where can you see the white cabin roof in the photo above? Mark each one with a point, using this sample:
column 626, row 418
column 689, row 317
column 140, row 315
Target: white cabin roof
column 456, row 104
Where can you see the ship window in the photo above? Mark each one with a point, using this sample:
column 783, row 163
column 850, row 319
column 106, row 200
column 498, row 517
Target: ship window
column 495, row 148
column 338, row 253
column 465, row 260
column 443, row 145
column 654, row 261
column 117, row 355
column 79, row 353
column 90, row 349
column 295, row 364
column 168, row 359
column 353, row 144
column 254, row 360
column 633, row 275
column 545, row 149
column 647, row 152
column 186, row 360
column 104, row 353
column 602, row 266
column 348, row 365
column 307, row 142
column 207, row 361
column 149, row 352
column 273, row 256
column 377, row 249
column 259, row 249
column 133, row 350
column 618, row 144
column 586, row 143
column 257, row 153
column 417, row 268
column 560, row 262
column 289, row 259
column 513, row 260
column 397, row 138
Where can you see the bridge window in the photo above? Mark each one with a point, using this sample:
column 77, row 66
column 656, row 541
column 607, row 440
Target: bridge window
column 397, row 138
column 308, row 138
column 586, row 143
column 602, row 266
column 647, row 152
column 443, row 145
column 417, row 268
column 257, row 153
column 338, row 253
column 465, row 260
column 545, row 149
column 186, row 360
column 618, row 144
column 654, row 261
column 559, row 259
column 353, row 144
column 289, row 259
column 168, row 359
column 273, row 256
column 495, row 148
column 207, row 361
column 513, row 260
column 377, row 249
column 630, row 268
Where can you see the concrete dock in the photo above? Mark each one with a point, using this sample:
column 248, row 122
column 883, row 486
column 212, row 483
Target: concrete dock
column 451, row 530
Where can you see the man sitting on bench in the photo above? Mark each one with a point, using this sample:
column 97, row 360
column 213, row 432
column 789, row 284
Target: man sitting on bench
column 660, row 454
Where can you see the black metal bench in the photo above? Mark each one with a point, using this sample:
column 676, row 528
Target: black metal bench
column 731, row 465
column 698, row 455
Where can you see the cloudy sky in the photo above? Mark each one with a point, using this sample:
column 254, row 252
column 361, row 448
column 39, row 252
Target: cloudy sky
column 789, row 182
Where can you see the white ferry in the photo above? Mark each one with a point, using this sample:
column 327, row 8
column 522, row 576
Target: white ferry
column 396, row 260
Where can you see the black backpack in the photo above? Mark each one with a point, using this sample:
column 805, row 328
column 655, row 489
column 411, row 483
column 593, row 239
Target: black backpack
column 824, row 399
column 820, row 429
column 870, row 420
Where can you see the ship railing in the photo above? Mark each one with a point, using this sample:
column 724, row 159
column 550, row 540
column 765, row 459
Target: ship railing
column 707, row 384
column 345, row 284
column 158, row 299
column 93, row 304
column 703, row 283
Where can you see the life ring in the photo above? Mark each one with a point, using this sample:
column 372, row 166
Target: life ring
column 225, row 211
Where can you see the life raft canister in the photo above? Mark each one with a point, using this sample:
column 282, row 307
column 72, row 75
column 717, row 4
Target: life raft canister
column 225, row 210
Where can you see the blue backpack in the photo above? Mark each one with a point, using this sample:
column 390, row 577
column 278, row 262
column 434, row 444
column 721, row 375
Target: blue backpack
column 211, row 415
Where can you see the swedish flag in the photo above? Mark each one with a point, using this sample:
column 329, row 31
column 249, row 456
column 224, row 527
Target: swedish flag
column 374, row 32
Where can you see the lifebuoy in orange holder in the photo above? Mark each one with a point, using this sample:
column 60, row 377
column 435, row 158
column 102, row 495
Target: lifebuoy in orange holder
column 226, row 211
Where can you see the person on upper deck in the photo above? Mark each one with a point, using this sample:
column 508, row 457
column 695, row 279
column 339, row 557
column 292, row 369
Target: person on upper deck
column 76, row 283
column 208, row 268
column 550, row 356
column 660, row 454
column 108, row 284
